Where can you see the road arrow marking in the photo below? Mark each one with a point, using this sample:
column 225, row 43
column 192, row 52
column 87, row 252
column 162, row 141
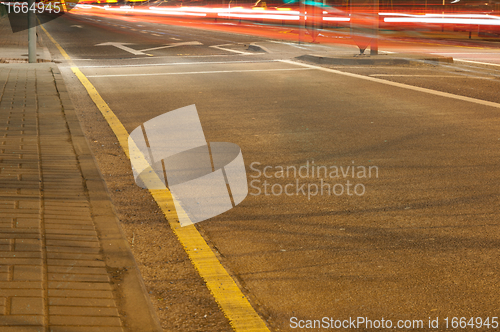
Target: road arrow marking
column 173, row 45
column 122, row 47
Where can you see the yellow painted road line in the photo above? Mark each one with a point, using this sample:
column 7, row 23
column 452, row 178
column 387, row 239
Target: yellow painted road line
column 231, row 300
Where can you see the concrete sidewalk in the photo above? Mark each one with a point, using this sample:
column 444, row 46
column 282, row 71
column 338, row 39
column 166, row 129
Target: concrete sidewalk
column 64, row 262
column 14, row 46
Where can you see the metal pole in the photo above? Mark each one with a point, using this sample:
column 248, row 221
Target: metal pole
column 31, row 32
column 374, row 44
column 302, row 21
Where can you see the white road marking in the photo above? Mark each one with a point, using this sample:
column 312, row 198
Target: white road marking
column 155, row 34
column 289, row 44
column 203, row 72
column 174, row 38
column 122, row 47
column 459, row 60
column 477, row 62
column 442, row 76
column 399, row 85
column 401, row 75
column 175, row 63
column 262, row 47
column 169, row 57
column 364, row 67
column 497, row 53
column 219, row 47
column 173, row 45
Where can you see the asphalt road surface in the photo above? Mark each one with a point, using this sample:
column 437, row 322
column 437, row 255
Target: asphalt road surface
column 415, row 239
